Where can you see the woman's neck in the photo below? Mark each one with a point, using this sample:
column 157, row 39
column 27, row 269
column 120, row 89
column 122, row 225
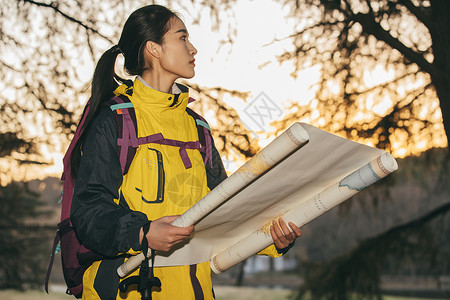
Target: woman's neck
column 158, row 82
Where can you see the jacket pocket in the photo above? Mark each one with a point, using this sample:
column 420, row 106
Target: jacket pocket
column 153, row 177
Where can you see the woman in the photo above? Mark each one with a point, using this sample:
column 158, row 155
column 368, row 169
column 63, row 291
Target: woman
column 111, row 212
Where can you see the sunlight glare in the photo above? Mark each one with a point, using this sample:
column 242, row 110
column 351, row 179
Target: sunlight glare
column 315, row 114
column 382, row 106
column 399, row 152
column 421, row 145
column 377, row 76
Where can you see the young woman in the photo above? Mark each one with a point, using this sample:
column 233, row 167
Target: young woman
column 113, row 213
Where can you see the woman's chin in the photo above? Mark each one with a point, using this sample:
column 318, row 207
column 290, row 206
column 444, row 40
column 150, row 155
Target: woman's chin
column 189, row 76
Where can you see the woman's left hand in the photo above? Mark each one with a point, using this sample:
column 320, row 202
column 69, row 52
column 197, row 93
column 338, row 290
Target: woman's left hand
column 281, row 235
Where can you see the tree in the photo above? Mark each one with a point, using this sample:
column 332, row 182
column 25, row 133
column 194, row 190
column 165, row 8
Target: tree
column 41, row 80
column 23, row 255
column 48, row 51
column 350, row 39
column 232, row 135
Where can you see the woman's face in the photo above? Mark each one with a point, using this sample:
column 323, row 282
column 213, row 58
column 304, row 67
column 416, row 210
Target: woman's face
column 177, row 53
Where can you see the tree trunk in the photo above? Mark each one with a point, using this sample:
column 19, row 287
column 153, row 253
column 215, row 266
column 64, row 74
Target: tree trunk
column 240, row 277
column 272, row 266
column 440, row 35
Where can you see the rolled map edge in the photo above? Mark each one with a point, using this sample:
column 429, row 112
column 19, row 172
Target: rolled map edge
column 308, row 210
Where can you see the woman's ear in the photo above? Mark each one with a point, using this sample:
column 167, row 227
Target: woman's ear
column 153, row 49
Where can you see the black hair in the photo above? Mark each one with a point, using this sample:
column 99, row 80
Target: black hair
column 148, row 23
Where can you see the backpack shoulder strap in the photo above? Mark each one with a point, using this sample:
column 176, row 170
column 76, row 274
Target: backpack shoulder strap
column 127, row 141
column 204, row 136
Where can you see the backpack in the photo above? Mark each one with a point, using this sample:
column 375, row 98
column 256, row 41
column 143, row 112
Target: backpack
column 76, row 258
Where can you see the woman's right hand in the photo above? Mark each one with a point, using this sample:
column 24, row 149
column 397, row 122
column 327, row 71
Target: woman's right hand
column 162, row 235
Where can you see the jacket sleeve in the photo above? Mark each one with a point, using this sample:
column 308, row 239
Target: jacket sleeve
column 274, row 251
column 102, row 225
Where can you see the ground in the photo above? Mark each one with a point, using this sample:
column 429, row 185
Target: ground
column 222, row 293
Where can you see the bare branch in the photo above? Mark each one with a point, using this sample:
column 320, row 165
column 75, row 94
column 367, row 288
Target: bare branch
column 54, row 6
column 372, row 27
column 9, row 66
column 301, row 32
column 384, row 122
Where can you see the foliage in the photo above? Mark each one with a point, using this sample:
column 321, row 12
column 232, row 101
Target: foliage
column 23, row 254
column 381, row 70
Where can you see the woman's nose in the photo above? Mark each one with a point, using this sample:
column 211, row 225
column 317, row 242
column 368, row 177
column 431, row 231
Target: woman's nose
column 192, row 49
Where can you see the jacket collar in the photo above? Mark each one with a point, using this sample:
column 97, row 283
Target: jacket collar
column 144, row 95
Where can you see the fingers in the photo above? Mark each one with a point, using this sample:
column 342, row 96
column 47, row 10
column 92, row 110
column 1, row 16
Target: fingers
column 278, row 236
column 163, row 236
column 282, row 235
column 287, row 233
column 182, row 232
column 295, row 229
column 175, row 230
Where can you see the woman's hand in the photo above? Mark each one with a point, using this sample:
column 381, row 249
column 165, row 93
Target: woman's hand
column 281, row 235
column 162, row 235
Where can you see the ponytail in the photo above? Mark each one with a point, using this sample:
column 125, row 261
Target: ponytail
column 104, row 82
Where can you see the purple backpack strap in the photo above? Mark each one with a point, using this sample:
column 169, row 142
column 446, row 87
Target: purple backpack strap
column 183, row 146
column 204, row 135
column 207, row 137
column 66, row 176
column 127, row 141
column 158, row 138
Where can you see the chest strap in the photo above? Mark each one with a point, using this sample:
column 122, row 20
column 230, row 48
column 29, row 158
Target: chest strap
column 158, row 138
column 129, row 137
